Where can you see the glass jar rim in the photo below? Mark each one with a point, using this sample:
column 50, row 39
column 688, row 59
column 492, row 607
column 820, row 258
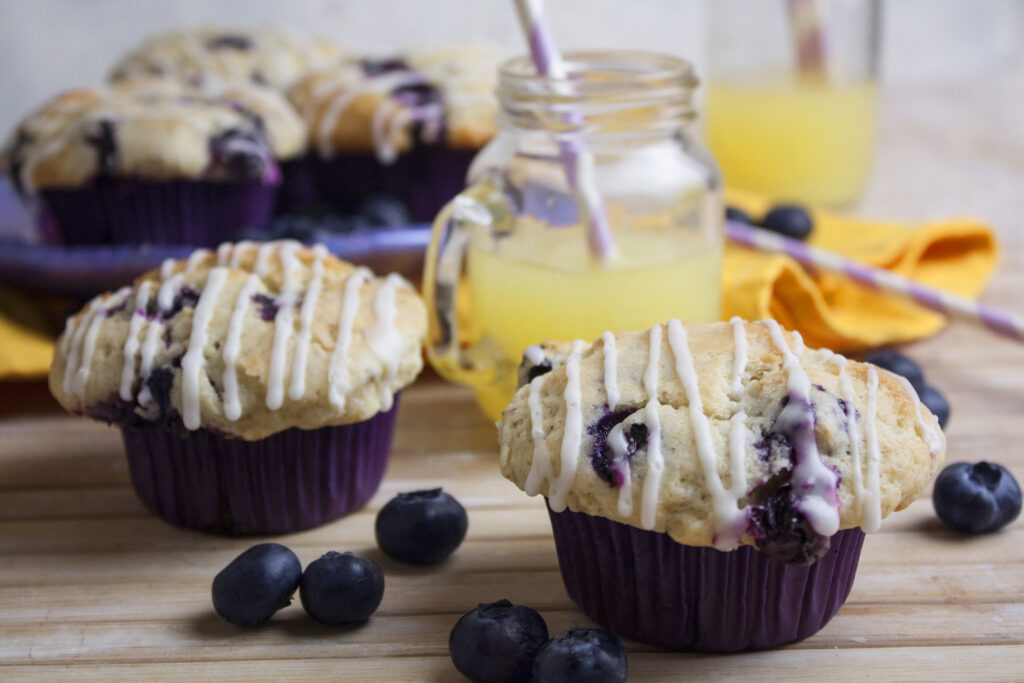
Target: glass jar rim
column 599, row 72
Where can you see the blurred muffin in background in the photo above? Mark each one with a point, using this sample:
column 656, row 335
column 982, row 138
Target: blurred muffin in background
column 272, row 56
column 406, row 126
column 151, row 160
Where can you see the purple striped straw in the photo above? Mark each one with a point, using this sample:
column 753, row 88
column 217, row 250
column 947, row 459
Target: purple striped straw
column 578, row 162
column 999, row 321
column 809, row 36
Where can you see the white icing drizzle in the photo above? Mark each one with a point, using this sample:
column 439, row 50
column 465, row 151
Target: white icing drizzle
column 84, row 364
column 572, row 438
column 195, row 259
column 655, row 462
column 382, row 337
column 167, row 268
column 739, row 362
column 337, row 369
column 233, row 346
column 813, row 482
column 798, row 343
column 348, row 91
column 298, row 387
column 872, row 499
column 165, row 296
column 852, row 431
column 263, row 254
column 224, row 252
column 534, row 354
column 540, row 466
column 730, row 521
column 927, row 431
column 283, row 325
column 620, row 462
column 611, row 373
column 239, row 249
column 132, row 344
column 738, row 422
column 194, row 359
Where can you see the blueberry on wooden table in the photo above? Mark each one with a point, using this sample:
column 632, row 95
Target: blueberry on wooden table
column 421, row 527
column 789, row 220
column 256, row 584
column 936, row 403
column 581, row 655
column 341, row 588
column 497, row 642
column 976, row 498
column 897, row 363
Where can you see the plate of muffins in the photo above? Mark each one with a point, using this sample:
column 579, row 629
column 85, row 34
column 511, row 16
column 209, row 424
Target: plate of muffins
column 207, row 135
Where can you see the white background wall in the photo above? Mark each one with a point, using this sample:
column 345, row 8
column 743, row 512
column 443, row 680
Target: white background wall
column 48, row 45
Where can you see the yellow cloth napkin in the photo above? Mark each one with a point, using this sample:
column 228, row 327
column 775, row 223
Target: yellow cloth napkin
column 829, row 310
column 832, row 311
column 25, row 347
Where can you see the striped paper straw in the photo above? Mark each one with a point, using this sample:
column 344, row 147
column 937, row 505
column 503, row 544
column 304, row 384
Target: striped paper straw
column 808, row 36
column 577, row 160
column 999, row 321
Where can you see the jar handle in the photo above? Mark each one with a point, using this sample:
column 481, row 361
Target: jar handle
column 450, row 237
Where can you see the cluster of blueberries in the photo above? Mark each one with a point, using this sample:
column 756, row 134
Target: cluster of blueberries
column 422, row 527
column 972, row 498
column 499, row 642
column 496, row 642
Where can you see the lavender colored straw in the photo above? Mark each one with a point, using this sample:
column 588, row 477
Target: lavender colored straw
column 999, row 321
column 577, row 161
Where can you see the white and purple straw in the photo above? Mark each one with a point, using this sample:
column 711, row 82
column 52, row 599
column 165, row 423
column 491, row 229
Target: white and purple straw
column 577, row 160
column 808, row 36
column 999, row 321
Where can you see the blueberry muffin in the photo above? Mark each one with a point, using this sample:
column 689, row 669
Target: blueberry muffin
column 719, row 459
column 271, row 56
column 154, row 161
column 407, row 125
column 255, row 386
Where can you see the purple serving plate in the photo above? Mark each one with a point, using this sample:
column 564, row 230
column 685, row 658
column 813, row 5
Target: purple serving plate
column 84, row 271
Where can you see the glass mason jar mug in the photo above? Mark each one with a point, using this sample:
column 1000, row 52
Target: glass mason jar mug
column 508, row 263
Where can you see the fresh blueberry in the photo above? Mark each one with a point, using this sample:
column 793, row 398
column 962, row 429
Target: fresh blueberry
column 497, row 642
column 936, row 403
column 341, row 588
column 899, row 364
column 384, row 211
column 738, row 215
column 581, row 655
column 789, row 220
column 978, row 498
column 422, row 527
column 256, row 584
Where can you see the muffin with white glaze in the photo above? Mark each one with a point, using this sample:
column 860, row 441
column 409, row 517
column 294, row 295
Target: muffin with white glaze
column 407, row 125
column 255, row 387
column 709, row 484
column 156, row 161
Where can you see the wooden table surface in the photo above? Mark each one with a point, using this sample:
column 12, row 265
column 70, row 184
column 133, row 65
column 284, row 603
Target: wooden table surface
column 91, row 585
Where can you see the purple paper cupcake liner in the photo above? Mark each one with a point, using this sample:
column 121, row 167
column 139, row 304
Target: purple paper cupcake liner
column 644, row 585
column 198, row 213
column 298, row 188
column 425, row 178
column 291, row 480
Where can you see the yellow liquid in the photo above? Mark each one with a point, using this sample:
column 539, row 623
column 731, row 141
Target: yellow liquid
column 796, row 140
column 529, row 293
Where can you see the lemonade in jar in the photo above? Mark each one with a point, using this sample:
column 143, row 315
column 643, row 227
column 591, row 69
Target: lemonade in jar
column 509, row 263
